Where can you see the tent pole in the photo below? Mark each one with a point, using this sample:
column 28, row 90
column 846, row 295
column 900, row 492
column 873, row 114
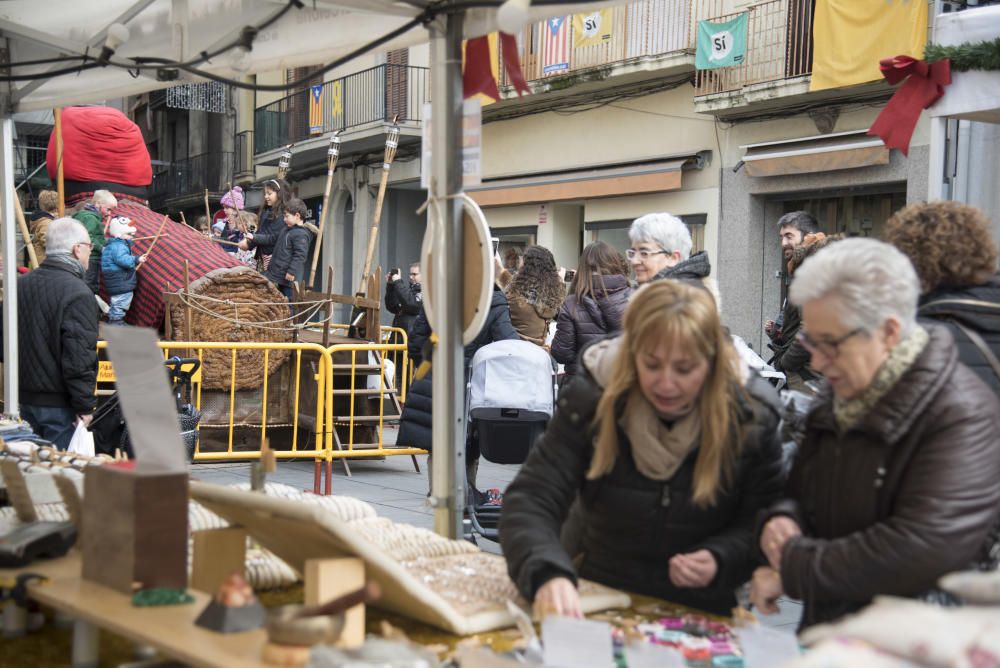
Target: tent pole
column 60, row 182
column 8, row 240
column 448, row 468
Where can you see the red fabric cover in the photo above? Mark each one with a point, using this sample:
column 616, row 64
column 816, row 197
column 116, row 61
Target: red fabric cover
column 164, row 270
column 101, row 144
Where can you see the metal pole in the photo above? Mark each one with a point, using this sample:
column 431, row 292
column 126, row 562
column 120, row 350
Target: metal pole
column 448, row 466
column 936, row 163
column 8, row 238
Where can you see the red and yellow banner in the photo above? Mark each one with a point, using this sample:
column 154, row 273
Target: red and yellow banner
column 850, row 37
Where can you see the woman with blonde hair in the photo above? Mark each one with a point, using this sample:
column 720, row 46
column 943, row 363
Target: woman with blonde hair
column 672, row 452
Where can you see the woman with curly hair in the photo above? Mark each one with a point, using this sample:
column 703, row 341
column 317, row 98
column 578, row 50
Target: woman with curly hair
column 535, row 294
column 952, row 248
column 596, row 304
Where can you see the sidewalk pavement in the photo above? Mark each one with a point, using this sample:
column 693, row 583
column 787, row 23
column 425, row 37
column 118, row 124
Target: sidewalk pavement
column 399, row 493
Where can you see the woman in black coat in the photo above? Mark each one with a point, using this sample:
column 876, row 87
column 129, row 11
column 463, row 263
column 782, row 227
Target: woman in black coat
column 952, row 248
column 595, row 306
column 672, row 453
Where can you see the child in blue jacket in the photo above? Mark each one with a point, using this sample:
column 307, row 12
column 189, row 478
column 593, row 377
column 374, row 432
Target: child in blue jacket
column 118, row 266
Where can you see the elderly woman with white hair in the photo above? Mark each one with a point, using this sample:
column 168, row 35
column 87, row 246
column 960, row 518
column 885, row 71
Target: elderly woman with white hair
column 895, row 482
column 661, row 248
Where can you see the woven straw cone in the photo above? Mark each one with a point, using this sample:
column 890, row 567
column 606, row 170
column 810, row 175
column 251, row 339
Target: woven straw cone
column 244, row 297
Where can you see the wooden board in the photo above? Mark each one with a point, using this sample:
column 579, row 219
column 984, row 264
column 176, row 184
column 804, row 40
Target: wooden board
column 170, row 629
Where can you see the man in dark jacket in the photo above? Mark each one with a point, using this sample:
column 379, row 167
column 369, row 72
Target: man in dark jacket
column 94, row 216
column 57, row 336
column 404, row 299
column 291, row 246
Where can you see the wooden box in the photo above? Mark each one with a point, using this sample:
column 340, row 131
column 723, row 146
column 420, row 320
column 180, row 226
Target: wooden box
column 135, row 528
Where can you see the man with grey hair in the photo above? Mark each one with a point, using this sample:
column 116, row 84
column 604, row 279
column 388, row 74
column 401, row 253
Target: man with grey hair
column 895, row 481
column 57, row 318
column 661, row 248
column 95, row 216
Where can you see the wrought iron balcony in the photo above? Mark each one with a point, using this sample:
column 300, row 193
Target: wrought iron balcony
column 375, row 95
column 191, row 177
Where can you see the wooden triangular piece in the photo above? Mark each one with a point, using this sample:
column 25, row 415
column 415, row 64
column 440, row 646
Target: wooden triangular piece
column 17, row 491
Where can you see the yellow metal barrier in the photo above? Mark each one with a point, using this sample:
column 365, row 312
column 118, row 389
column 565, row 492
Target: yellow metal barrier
column 321, row 450
column 351, row 418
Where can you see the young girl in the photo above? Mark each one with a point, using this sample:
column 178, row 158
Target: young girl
column 277, row 192
column 232, row 232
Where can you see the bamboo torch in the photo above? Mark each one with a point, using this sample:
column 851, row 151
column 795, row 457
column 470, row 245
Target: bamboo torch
column 285, row 163
column 391, row 144
column 332, row 154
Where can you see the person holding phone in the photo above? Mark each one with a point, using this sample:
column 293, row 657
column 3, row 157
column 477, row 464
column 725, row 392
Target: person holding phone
column 404, row 299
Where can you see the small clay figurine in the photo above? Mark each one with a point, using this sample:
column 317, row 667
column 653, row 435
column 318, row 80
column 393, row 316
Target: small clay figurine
column 234, row 608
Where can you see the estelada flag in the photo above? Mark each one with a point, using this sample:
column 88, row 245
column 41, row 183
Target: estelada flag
column 850, row 37
column 592, row 29
column 316, row 109
column 555, row 46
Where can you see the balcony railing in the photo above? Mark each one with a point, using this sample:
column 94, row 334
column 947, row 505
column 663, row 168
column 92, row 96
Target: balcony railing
column 243, row 153
column 639, row 30
column 779, row 46
column 208, row 171
column 374, row 95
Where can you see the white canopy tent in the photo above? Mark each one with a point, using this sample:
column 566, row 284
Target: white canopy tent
column 165, row 42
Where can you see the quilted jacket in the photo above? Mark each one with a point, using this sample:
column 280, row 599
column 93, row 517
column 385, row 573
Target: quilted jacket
column 118, row 267
column 580, row 323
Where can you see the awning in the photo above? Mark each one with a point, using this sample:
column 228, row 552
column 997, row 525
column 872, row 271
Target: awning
column 822, row 153
column 650, row 177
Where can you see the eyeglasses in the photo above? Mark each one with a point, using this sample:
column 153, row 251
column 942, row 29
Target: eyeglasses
column 643, row 254
column 829, row 348
column 84, row 243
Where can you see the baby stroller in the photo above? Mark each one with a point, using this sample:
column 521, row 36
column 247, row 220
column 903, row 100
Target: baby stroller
column 512, row 391
column 111, row 431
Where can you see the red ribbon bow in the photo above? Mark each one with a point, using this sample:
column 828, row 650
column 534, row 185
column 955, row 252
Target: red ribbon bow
column 924, row 86
column 478, row 74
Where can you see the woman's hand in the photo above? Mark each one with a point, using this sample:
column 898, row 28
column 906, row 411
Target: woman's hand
column 558, row 596
column 243, row 245
column 765, row 588
column 778, row 531
column 695, row 569
column 290, row 277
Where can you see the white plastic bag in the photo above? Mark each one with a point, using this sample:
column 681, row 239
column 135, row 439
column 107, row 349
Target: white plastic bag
column 82, row 442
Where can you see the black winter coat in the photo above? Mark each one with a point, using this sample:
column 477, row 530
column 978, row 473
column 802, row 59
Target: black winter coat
column 404, row 300
column 633, row 525
column 57, row 319
column 415, row 422
column 269, row 225
column 905, row 496
column 692, row 270
column 976, row 307
column 581, row 323
column 289, row 249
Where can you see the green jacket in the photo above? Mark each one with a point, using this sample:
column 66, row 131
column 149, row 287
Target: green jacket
column 95, row 228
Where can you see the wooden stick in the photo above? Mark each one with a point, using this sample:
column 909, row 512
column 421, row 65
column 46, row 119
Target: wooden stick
column 19, row 212
column 149, row 237
column 183, row 219
column 60, row 183
column 333, row 153
column 155, row 239
column 208, row 211
column 187, row 305
column 223, row 241
column 391, row 143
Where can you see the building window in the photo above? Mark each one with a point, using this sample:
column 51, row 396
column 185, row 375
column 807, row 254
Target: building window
column 615, row 232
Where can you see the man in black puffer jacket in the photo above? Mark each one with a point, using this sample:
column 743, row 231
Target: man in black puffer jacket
column 57, row 336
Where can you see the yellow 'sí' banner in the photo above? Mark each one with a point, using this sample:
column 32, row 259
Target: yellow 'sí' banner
column 851, row 36
column 592, row 29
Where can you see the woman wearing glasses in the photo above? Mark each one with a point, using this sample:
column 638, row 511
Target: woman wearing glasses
column 661, row 248
column 895, row 482
column 672, row 451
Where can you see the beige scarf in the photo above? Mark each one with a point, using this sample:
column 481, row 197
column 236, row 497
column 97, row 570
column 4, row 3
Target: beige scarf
column 658, row 449
column 848, row 412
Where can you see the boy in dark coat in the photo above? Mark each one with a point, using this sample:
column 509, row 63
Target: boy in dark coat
column 290, row 244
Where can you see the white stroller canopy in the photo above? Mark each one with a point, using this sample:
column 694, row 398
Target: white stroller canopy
column 512, row 374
